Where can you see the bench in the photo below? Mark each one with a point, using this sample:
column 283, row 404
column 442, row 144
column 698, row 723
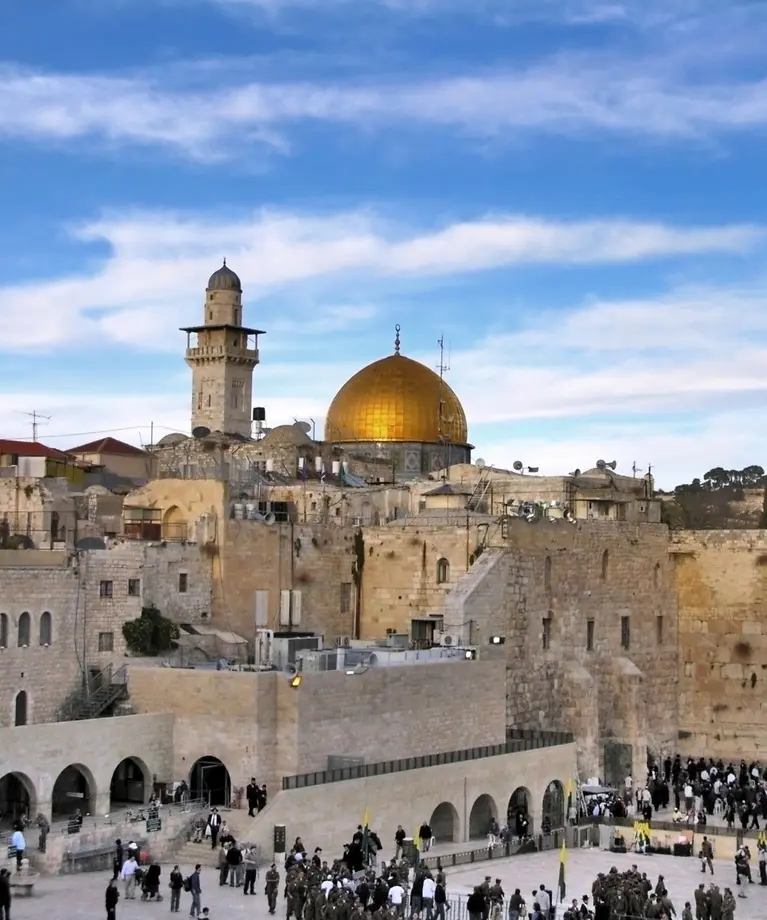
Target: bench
column 23, row 884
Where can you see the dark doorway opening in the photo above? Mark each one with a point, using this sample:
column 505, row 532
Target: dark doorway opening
column 209, row 779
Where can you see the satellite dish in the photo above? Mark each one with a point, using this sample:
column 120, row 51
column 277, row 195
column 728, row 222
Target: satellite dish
column 304, row 426
column 290, row 671
column 480, row 464
column 518, row 465
column 200, row 432
column 612, row 464
column 270, row 518
column 90, row 543
column 601, row 464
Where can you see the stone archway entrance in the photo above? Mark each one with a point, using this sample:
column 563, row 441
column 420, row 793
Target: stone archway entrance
column 17, row 799
column 444, row 823
column 130, row 784
column 518, row 810
column 553, row 810
column 210, row 780
column 483, row 809
column 74, row 790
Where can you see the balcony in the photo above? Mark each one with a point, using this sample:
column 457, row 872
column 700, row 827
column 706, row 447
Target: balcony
column 220, row 351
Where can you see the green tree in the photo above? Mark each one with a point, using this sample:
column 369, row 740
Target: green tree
column 151, row 634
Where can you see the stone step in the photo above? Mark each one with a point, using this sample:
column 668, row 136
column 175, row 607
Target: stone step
column 193, row 853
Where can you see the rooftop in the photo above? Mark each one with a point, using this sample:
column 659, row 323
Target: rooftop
column 108, row 446
column 32, row 449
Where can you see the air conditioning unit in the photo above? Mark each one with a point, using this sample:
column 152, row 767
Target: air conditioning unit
column 448, row 640
column 343, row 641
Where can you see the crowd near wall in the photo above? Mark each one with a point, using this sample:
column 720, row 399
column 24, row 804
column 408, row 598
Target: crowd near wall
column 721, row 594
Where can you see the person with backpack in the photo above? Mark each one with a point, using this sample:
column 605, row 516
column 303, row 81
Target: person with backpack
column 193, row 886
column 176, row 885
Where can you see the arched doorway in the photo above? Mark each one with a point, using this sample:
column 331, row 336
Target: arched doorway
column 553, row 811
column 209, row 779
column 130, row 784
column 17, row 798
column 74, row 789
column 479, row 818
column 518, row 811
column 20, row 707
column 173, row 524
column 444, row 823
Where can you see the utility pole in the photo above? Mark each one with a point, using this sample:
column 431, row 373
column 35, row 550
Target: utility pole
column 37, row 420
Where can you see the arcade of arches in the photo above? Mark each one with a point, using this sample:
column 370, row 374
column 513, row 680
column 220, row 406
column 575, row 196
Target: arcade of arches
column 446, row 823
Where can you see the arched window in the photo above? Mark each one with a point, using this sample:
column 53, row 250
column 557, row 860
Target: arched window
column 656, row 575
column 25, row 629
column 547, row 573
column 605, row 565
column 20, row 713
column 46, row 629
column 443, row 571
column 3, row 630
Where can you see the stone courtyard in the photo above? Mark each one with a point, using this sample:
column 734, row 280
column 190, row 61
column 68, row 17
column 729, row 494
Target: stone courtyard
column 81, row 897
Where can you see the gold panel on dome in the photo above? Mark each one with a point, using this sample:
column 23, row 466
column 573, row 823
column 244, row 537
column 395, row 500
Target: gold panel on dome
column 396, row 399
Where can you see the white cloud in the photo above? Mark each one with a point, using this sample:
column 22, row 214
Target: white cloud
column 567, row 95
column 157, row 266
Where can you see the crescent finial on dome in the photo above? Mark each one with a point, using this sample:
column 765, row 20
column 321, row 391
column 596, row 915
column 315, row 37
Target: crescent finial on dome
column 396, row 339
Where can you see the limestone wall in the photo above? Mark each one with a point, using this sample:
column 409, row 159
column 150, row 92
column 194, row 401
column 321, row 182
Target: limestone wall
column 327, row 815
column 258, row 725
column 721, row 589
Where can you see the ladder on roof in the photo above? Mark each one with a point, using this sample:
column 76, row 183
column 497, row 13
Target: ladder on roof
column 479, row 492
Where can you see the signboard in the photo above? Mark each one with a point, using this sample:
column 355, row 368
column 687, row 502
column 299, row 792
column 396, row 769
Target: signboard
column 279, row 838
column 11, row 851
column 153, row 824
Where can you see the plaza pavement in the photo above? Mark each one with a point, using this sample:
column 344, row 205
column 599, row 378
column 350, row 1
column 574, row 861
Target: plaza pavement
column 81, row 897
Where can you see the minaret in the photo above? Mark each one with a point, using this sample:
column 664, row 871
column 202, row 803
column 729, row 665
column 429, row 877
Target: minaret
column 222, row 359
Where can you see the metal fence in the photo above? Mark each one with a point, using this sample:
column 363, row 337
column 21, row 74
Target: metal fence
column 517, row 740
column 514, row 847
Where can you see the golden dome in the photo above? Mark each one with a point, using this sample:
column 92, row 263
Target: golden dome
column 396, row 399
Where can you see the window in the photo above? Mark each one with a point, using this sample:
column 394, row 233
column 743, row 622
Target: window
column 54, row 526
column 46, row 629
column 625, row 633
column 182, row 583
column 209, row 400
column 346, row 596
column 589, row 635
column 106, row 588
column 25, row 628
column 20, row 715
column 106, row 641
column 546, row 635
column 547, row 573
column 134, row 587
column 3, row 630
column 199, row 400
column 605, row 565
column 656, row 575
column 443, row 571
column 659, row 630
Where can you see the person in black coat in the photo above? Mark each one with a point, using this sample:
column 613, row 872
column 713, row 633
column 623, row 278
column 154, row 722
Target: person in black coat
column 119, row 859
column 111, row 897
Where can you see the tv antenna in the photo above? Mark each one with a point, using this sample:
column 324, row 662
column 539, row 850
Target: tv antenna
column 443, row 367
column 37, row 420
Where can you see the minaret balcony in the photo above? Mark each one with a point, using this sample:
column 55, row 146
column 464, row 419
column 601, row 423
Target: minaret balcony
column 222, row 351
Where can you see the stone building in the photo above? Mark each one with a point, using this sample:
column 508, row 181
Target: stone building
column 61, row 616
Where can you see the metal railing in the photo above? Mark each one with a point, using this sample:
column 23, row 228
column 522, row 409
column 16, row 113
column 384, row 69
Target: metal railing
column 517, row 740
column 486, row 853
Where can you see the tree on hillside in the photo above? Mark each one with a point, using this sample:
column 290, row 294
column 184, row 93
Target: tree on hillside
column 706, row 504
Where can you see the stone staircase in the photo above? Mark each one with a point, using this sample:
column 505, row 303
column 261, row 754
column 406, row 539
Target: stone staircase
column 243, row 829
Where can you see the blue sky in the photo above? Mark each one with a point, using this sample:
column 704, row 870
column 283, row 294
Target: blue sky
column 571, row 191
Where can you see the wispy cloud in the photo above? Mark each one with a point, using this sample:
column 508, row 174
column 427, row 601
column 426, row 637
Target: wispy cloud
column 566, row 95
column 158, row 263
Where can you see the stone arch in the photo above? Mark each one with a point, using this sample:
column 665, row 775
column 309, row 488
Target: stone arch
column 173, row 524
column 46, row 628
column 74, row 789
column 605, row 564
column 131, row 783
column 17, row 797
column 483, row 809
column 24, row 630
column 519, row 807
column 21, row 708
column 553, row 808
column 547, row 573
column 209, row 779
column 443, row 571
column 444, row 823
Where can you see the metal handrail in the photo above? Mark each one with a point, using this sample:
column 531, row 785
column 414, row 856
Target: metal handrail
column 517, row 740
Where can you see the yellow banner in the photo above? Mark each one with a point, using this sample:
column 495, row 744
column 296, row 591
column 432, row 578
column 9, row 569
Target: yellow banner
column 642, row 827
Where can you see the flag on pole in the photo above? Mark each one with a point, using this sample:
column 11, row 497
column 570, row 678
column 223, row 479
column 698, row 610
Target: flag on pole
column 561, row 883
column 417, row 839
column 366, row 818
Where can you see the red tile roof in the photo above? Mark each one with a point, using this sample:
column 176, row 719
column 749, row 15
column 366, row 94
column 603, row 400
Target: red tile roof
column 108, row 446
column 32, row 449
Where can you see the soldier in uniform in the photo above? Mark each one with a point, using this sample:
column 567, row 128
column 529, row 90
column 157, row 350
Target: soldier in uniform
column 728, row 905
column 272, row 879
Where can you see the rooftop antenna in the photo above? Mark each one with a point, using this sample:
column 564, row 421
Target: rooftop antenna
column 37, row 420
column 442, row 367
